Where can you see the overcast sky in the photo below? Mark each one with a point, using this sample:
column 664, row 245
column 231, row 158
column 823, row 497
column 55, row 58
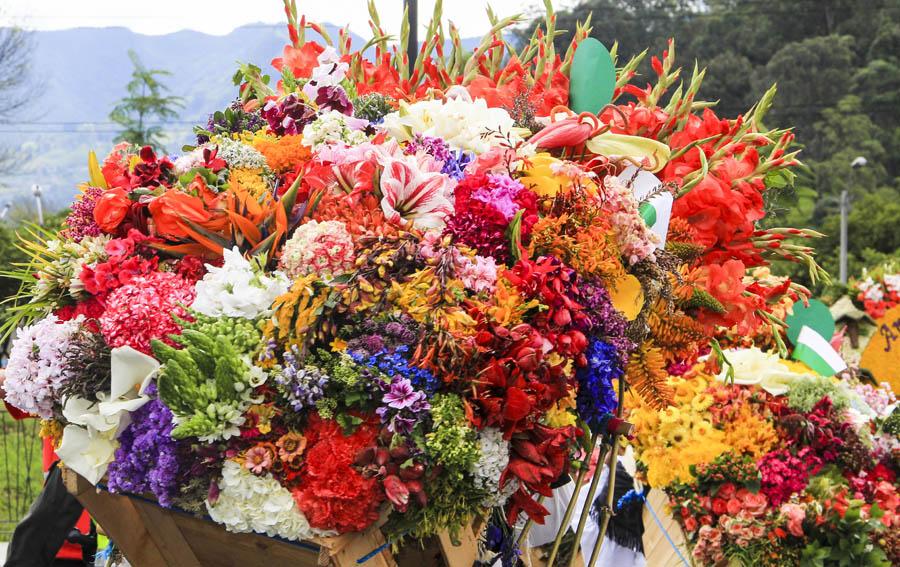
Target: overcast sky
column 221, row 16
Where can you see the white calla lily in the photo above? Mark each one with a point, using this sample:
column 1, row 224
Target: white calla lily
column 753, row 366
column 89, row 441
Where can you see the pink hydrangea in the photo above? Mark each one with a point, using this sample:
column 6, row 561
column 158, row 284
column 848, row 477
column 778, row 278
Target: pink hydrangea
column 143, row 310
column 324, row 248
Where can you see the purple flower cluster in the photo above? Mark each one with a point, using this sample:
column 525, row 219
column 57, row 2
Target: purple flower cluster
column 378, row 336
column 147, row 458
column 288, row 116
column 235, row 119
column 334, row 98
column 80, row 222
column 604, row 320
column 404, row 405
column 596, row 399
column 302, row 385
column 455, row 162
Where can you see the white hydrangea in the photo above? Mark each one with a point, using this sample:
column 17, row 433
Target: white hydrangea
column 189, row 161
column 240, row 155
column 490, row 466
column 237, row 289
column 249, row 503
column 36, row 368
column 461, row 122
column 333, row 127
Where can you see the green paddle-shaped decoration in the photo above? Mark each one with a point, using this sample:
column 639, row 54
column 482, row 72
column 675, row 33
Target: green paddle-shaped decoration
column 592, row 78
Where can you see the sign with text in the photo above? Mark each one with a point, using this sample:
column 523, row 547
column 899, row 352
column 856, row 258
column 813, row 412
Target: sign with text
column 882, row 354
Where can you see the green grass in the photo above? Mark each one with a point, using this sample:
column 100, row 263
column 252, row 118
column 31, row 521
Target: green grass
column 20, row 469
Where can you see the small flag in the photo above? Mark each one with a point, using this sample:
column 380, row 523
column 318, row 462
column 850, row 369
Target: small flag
column 656, row 211
column 815, row 351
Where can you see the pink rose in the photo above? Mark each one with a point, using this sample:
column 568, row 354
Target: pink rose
column 755, row 504
column 726, row 491
column 690, row 524
column 795, row 515
column 706, row 520
column 733, row 507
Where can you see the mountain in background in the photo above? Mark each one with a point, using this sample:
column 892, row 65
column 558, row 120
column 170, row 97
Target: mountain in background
column 81, row 73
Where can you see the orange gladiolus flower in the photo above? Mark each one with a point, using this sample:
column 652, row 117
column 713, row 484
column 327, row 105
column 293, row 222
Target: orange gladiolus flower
column 111, row 208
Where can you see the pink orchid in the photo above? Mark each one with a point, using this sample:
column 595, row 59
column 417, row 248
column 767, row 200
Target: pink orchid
column 413, row 195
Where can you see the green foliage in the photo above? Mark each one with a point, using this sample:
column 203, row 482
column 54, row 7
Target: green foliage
column 244, row 334
column 141, row 113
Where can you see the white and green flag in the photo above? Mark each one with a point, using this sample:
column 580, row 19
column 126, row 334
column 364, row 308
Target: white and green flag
column 815, row 351
column 657, row 210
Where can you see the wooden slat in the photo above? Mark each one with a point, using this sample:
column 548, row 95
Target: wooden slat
column 657, row 549
column 120, row 520
column 462, row 553
column 167, row 535
column 347, row 549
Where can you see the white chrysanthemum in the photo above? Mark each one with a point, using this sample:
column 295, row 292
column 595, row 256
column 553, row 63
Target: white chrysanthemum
column 490, row 466
column 250, row 503
column 464, row 124
column 239, row 155
column 237, row 289
column 333, row 127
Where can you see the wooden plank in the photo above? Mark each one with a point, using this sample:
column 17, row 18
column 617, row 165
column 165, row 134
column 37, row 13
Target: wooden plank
column 345, row 550
column 167, row 535
column 462, row 553
column 120, row 520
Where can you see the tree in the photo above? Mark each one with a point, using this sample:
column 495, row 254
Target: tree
column 15, row 50
column 146, row 107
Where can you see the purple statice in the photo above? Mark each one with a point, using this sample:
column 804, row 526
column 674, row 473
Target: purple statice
column 147, row 459
column 393, row 363
column 302, row 385
column 80, row 222
column 287, row 116
column 596, row 399
column 403, row 406
column 334, row 98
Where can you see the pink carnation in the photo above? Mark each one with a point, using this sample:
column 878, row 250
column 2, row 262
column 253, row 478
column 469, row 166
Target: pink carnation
column 143, row 310
column 478, row 273
column 324, row 248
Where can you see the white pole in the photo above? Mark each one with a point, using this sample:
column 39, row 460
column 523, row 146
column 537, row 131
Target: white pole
column 5, row 210
column 36, row 190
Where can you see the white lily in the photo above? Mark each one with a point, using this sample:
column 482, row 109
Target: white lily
column 753, row 366
column 89, row 441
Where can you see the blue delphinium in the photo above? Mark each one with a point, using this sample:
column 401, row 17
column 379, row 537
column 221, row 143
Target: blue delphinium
column 596, row 398
column 393, row 363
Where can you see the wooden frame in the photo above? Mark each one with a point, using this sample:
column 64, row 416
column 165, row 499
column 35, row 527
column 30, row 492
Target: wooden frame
column 151, row 536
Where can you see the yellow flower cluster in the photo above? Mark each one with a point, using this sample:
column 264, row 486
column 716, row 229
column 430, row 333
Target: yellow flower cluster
column 250, row 180
column 671, row 440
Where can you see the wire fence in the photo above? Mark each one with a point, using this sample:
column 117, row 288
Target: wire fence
column 20, row 469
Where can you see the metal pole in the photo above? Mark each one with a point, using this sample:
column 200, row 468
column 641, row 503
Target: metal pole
column 843, row 253
column 412, row 48
column 5, row 211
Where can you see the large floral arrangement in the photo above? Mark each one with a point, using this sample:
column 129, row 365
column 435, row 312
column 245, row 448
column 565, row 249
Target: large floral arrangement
column 777, row 466
column 878, row 290
column 377, row 291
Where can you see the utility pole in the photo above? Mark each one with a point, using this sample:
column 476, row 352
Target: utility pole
column 857, row 163
column 36, row 191
column 5, row 211
column 412, row 47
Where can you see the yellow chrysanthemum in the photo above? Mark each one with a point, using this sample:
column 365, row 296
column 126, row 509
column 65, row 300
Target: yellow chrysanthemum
column 670, row 415
column 250, row 180
column 678, row 435
column 701, row 402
